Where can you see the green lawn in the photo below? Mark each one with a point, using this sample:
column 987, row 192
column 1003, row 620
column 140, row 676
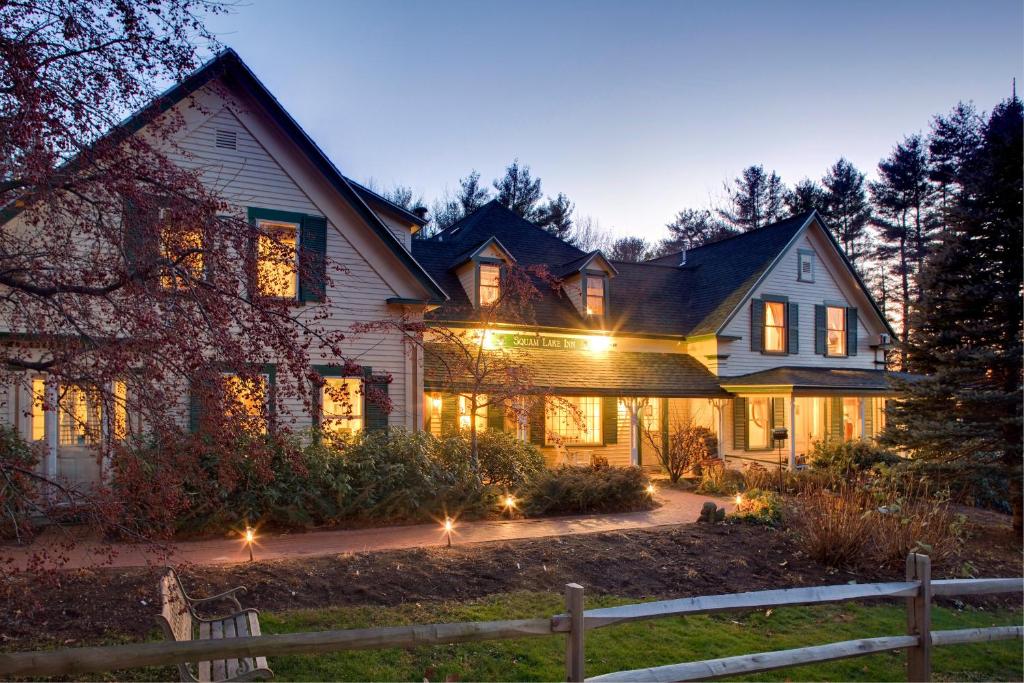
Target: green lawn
column 637, row 645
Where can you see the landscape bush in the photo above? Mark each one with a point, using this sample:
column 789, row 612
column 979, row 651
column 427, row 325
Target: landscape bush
column 507, row 462
column 717, row 479
column 850, row 457
column 687, row 445
column 758, row 506
column 17, row 489
column 574, row 489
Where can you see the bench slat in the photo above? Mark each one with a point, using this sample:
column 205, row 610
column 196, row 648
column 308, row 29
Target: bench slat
column 254, row 629
column 219, row 670
column 205, row 668
column 231, row 665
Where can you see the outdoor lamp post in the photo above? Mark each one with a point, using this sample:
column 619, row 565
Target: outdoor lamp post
column 250, row 538
column 448, row 526
column 779, row 435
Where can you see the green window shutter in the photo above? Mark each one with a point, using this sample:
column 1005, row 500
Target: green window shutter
column 793, row 331
column 140, row 243
column 820, row 333
column 496, row 417
column 757, row 325
column 195, row 410
column 851, row 331
column 610, row 419
column 449, row 414
column 537, row 423
column 313, row 258
column 375, row 400
column 778, row 416
column 739, row 424
column 869, row 417
column 836, row 419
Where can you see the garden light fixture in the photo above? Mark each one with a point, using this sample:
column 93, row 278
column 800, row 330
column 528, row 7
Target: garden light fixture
column 449, row 524
column 250, row 538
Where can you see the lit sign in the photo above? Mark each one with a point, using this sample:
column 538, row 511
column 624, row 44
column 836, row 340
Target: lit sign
column 542, row 341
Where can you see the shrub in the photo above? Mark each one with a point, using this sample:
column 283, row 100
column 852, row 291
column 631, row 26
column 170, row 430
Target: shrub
column 688, row 444
column 569, row 490
column 832, row 527
column 757, row 476
column 717, row 479
column 850, row 457
column 758, row 506
column 18, row 491
column 507, row 462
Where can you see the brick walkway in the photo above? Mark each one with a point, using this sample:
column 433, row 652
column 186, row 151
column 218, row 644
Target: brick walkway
column 677, row 507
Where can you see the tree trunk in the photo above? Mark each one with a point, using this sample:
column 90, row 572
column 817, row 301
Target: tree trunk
column 905, row 304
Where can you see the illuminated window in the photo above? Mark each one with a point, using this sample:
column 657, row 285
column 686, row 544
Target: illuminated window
column 759, row 422
column 878, row 406
column 245, row 399
column 465, row 409
column 277, row 254
column 184, row 250
column 836, row 331
column 573, row 420
column 490, row 284
column 38, row 413
column 851, row 419
column 650, row 415
column 119, row 424
column 79, row 416
column 342, row 405
column 595, row 296
column 775, row 326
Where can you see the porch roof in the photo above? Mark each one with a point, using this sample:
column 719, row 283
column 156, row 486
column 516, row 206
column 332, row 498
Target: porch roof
column 609, row 373
column 815, row 381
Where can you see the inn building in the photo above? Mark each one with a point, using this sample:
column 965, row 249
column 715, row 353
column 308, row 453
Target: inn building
column 765, row 329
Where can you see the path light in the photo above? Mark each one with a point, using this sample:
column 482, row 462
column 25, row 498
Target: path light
column 449, row 524
column 739, row 499
column 250, row 538
column 510, row 504
column 650, row 489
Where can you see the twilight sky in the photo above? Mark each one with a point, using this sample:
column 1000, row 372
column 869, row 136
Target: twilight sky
column 633, row 109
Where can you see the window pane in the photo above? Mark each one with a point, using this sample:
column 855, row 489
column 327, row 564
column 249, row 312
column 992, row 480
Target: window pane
column 342, row 405
column 246, row 399
column 574, row 420
column 277, row 258
column 38, row 415
column 490, row 283
column 177, row 247
column 465, row 408
column 650, row 415
column 119, row 425
column 79, row 416
column 759, row 422
column 836, row 331
column 595, row 296
column 774, row 326
column 851, row 419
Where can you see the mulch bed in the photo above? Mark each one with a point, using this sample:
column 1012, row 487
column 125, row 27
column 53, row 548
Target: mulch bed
column 86, row 606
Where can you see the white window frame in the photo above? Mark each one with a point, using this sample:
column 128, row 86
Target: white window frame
column 564, row 427
column 784, row 327
column 265, row 409
column 267, row 225
column 842, row 332
column 357, row 412
column 481, row 286
column 767, row 401
column 604, row 295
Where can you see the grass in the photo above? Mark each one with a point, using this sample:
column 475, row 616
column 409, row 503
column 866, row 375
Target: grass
column 641, row 644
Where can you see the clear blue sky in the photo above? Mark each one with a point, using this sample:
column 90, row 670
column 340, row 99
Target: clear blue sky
column 634, row 109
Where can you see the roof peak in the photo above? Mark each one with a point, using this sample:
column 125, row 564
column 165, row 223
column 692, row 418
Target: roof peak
column 801, row 217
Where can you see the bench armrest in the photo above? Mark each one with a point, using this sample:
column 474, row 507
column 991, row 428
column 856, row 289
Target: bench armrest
column 226, row 595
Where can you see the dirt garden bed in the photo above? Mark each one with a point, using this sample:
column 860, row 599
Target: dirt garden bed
column 88, row 606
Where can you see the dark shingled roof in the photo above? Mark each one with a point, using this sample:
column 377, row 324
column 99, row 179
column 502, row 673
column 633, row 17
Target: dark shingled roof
column 656, row 297
column 611, row 373
column 818, row 378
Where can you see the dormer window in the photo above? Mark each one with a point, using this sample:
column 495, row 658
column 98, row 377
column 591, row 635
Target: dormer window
column 490, row 284
column 595, row 296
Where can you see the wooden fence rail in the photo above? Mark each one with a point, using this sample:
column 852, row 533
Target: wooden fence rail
column 574, row 623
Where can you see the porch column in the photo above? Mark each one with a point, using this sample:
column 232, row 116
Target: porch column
column 792, row 433
column 860, row 416
column 633, row 406
column 50, row 422
column 719, row 405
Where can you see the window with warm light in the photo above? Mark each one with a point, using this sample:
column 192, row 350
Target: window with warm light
column 650, row 415
column 119, row 422
column 341, row 405
column 759, row 422
column 277, row 255
column 38, row 412
column 775, row 326
column 878, row 414
column 79, row 416
column 835, row 321
column 466, row 409
column 183, row 249
column 490, row 284
column 595, row 296
column 851, row 419
column 573, row 420
column 246, row 399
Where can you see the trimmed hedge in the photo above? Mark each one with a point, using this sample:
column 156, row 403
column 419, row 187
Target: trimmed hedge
column 569, row 490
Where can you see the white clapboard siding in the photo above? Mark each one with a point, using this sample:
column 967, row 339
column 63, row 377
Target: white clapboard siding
column 826, row 287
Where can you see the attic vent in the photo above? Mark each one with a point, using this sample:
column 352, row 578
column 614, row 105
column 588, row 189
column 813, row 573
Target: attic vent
column 227, row 139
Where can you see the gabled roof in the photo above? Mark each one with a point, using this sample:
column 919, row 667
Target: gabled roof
column 475, row 251
column 371, row 197
column 579, row 264
column 836, row 379
column 228, row 66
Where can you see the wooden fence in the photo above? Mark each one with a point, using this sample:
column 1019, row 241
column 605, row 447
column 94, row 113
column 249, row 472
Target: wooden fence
column 918, row 590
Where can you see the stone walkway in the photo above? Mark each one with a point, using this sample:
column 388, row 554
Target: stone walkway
column 677, row 507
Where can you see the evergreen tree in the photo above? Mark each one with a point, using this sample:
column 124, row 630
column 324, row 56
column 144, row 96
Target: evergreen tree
column 631, row 249
column 953, row 141
column 403, row 196
column 757, row 198
column 806, row 195
column 555, row 216
column 847, row 210
column 966, row 338
column 471, row 195
column 519, row 190
column 692, row 228
column 901, row 197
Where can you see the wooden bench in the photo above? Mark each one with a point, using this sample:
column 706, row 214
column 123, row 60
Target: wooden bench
column 179, row 621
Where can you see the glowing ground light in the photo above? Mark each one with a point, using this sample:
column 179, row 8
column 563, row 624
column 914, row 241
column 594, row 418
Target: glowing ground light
column 739, row 499
column 448, row 526
column 510, row 502
column 650, row 489
column 250, row 538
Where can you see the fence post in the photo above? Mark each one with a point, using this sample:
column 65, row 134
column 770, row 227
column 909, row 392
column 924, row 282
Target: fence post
column 574, row 639
column 919, row 619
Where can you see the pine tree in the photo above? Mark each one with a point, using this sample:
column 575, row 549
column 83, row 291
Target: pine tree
column 806, row 195
column 692, row 228
column 471, row 195
column 555, row 216
column 901, row 197
column 518, row 190
column 954, row 140
column 966, row 338
column 631, row 249
column 757, row 198
column 847, row 210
